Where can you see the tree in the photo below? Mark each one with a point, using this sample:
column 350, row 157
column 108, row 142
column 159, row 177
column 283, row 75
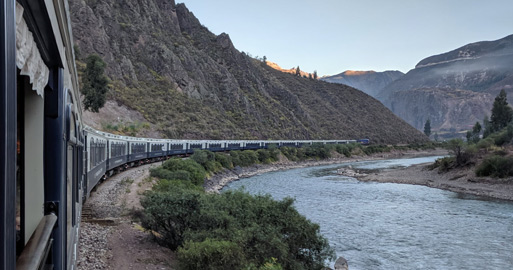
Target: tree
column 487, row 127
column 315, row 75
column 502, row 114
column 473, row 135
column 298, row 71
column 264, row 59
column 436, row 137
column 427, row 128
column 94, row 81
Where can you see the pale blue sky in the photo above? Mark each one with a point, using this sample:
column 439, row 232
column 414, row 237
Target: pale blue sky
column 332, row 36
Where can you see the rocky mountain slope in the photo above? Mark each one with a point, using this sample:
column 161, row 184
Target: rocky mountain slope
column 370, row 82
column 187, row 82
column 454, row 89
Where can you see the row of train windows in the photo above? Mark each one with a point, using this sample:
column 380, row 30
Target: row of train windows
column 157, row 147
column 97, row 153
column 117, row 149
column 138, row 148
column 176, row 146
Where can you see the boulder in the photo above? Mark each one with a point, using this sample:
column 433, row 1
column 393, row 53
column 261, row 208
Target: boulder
column 341, row 264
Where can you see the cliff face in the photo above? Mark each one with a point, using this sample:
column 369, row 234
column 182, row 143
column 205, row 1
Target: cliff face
column 370, row 82
column 189, row 83
column 468, row 77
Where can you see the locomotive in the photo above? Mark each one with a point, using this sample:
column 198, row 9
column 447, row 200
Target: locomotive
column 50, row 160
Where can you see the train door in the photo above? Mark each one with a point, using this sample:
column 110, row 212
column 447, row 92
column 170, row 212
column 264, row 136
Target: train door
column 71, row 182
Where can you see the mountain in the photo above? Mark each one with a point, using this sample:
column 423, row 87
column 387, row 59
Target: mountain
column 171, row 77
column 290, row 70
column 370, row 82
column 446, row 87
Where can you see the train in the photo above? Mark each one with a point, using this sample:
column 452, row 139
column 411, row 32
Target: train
column 51, row 161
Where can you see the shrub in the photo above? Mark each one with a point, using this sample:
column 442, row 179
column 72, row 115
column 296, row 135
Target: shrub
column 289, row 152
column 343, row 149
column 504, row 137
column 224, row 160
column 165, row 185
column 234, row 229
column 235, row 156
column 248, row 158
column 443, row 164
column 496, row 166
column 485, row 143
column 210, row 254
column 162, row 173
column 170, row 214
column 264, row 156
column 202, row 157
column 196, row 171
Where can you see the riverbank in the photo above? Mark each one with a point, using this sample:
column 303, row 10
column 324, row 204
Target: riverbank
column 457, row 180
column 220, row 180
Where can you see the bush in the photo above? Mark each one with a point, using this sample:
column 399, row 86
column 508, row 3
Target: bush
column 210, row 254
column 248, row 158
column 264, row 156
column 235, row 157
column 496, row 166
column 196, row 171
column 162, row 173
column 235, row 229
column 343, row 149
column 165, row 185
column 485, row 143
column 224, row 160
column 443, row 164
column 504, row 137
column 170, row 214
column 372, row 149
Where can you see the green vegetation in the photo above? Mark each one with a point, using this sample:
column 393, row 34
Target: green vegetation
column 427, row 128
column 493, row 153
column 232, row 230
column 502, row 114
column 496, row 166
column 94, row 83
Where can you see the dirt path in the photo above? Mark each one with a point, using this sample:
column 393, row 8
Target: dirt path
column 110, row 240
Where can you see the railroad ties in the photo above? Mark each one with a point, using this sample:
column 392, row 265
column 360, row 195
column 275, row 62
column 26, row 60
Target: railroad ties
column 88, row 217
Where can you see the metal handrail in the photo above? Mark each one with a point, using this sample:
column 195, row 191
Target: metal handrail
column 36, row 251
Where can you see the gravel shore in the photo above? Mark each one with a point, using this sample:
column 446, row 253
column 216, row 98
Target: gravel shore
column 457, row 180
column 218, row 181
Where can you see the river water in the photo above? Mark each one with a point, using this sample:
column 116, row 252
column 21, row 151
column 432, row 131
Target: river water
column 395, row 226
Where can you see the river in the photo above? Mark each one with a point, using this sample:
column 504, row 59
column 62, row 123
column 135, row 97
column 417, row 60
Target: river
column 395, row 226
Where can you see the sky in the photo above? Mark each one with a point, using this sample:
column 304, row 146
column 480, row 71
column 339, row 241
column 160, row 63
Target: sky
column 331, row 36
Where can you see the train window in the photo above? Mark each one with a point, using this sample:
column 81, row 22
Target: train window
column 176, row 146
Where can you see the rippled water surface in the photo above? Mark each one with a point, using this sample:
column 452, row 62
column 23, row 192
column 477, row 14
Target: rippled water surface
column 396, row 226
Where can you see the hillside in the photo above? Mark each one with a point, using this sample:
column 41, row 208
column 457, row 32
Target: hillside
column 445, row 86
column 370, row 82
column 170, row 71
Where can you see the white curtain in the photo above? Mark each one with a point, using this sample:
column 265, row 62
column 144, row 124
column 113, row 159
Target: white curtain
column 28, row 58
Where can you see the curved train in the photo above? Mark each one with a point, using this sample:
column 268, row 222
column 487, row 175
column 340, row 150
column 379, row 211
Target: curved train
column 50, row 161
